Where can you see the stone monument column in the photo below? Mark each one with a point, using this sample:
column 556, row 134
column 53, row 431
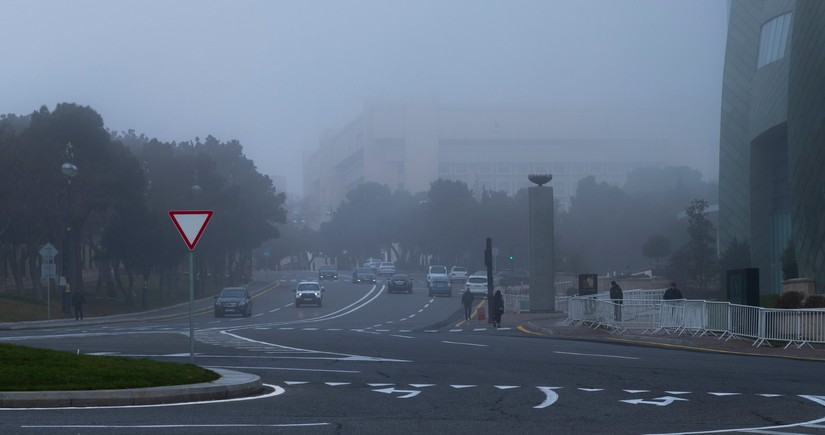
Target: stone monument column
column 542, row 245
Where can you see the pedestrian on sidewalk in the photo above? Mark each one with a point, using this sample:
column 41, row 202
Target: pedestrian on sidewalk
column 617, row 296
column 672, row 293
column 467, row 302
column 78, row 300
column 498, row 308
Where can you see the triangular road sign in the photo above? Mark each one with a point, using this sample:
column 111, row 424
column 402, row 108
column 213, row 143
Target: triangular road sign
column 190, row 224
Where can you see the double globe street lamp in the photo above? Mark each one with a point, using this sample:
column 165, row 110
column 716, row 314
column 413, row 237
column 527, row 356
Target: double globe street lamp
column 69, row 169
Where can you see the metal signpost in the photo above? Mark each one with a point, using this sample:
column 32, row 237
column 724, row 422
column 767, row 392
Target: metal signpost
column 47, row 270
column 190, row 225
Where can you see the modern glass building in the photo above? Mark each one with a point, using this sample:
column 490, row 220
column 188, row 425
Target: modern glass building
column 772, row 140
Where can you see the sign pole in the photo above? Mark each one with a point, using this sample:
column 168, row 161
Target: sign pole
column 191, row 302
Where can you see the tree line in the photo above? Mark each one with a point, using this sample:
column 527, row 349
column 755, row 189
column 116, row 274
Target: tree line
column 114, row 213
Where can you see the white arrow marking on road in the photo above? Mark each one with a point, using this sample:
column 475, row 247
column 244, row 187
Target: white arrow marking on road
column 295, row 382
column 636, row 391
column 769, row 395
column 407, row 393
column 506, row 387
column 676, row 393
column 380, row 385
column 335, row 384
column 590, row 390
column 724, row 394
column 462, row 386
column 551, row 398
column 818, row 399
column 421, row 385
column 664, row 401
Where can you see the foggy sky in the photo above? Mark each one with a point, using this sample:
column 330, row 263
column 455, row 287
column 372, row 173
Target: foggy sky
column 276, row 74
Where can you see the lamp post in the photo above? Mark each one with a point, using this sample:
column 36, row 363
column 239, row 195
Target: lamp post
column 69, row 169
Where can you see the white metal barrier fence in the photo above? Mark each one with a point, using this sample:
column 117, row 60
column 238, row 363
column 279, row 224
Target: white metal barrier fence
column 697, row 317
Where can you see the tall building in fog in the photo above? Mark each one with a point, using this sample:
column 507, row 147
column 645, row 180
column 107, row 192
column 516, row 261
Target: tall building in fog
column 409, row 143
column 772, row 140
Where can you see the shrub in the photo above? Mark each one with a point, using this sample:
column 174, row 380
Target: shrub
column 790, row 300
column 814, row 301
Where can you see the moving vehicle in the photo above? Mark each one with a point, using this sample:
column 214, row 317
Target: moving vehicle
column 386, row 268
column 363, row 274
column 508, row 277
column 328, row 271
column 373, row 264
column 477, row 284
column 308, row 292
column 458, row 273
column 233, row 300
column 434, row 271
column 400, row 282
column 440, row 285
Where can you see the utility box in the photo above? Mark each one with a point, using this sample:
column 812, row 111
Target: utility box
column 743, row 286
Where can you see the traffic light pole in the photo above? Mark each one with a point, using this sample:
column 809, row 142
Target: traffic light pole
column 488, row 262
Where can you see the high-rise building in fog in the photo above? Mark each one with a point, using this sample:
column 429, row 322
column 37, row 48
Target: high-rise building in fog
column 772, row 140
column 409, row 143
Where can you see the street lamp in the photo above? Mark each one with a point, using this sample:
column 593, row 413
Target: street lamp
column 69, row 169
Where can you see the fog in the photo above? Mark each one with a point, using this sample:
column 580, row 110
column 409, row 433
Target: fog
column 276, row 75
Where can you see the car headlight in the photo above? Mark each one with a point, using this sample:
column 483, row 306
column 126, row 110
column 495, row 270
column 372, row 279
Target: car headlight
column 317, row 294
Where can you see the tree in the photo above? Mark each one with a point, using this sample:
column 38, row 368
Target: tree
column 657, row 246
column 696, row 260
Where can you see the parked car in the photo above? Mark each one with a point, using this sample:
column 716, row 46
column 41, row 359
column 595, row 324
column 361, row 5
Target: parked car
column 328, row 271
column 477, row 284
column 373, row 264
column 363, row 274
column 458, row 273
column 233, row 300
column 440, row 285
column 434, row 271
column 400, row 282
column 386, row 268
column 309, row 292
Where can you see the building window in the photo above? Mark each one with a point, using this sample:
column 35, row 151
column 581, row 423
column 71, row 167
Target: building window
column 559, row 168
column 460, row 168
column 485, row 168
column 773, row 40
column 522, row 168
column 444, row 168
column 503, row 169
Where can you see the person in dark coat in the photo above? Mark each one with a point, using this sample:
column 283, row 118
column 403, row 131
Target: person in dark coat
column 78, row 300
column 672, row 293
column 467, row 302
column 498, row 308
column 617, row 296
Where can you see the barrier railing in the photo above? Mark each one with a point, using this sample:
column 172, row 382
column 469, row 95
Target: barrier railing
column 722, row 319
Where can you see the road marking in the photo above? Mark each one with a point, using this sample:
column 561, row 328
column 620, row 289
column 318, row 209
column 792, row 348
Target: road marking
column 430, row 331
column 333, row 329
column 506, row 387
column 595, row 354
column 464, row 344
column 456, row 330
column 382, row 330
column 724, row 394
column 295, row 382
column 677, row 393
column 289, row 304
column 285, row 329
column 272, row 311
column 770, row 395
column 291, row 369
column 380, row 385
column 504, row 329
column 659, row 401
column 636, row 391
column 420, row 310
column 462, row 386
column 479, row 329
column 309, row 329
column 405, row 330
column 527, row 331
column 591, row 390
column 336, row 384
column 400, row 336
column 551, row 397
column 166, row 426
column 406, row 393
column 421, row 385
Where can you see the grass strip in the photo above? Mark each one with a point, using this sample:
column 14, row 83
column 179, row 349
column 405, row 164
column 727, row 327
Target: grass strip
column 25, row 368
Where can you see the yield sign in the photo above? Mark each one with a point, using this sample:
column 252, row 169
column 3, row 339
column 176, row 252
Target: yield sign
column 190, row 224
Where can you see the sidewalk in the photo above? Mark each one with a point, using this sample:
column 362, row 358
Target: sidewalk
column 552, row 325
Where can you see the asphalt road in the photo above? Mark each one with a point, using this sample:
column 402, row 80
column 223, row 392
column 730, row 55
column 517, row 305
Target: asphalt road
column 368, row 362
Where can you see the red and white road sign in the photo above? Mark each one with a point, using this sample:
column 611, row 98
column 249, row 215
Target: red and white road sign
column 190, row 224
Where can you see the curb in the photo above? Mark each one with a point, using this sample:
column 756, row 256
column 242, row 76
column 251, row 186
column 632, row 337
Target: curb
column 230, row 385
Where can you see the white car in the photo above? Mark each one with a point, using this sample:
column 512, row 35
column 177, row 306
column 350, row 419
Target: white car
column 386, row 268
column 477, row 284
column 436, row 271
column 458, row 273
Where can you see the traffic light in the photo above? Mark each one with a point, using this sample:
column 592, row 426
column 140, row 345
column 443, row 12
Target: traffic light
column 511, row 258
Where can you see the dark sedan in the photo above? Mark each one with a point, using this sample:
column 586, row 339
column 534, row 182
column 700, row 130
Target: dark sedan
column 233, row 300
column 400, row 282
column 329, row 271
column 363, row 274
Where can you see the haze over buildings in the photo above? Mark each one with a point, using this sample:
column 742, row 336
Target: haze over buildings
column 277, row 75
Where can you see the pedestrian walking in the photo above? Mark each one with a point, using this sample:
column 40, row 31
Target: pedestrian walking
column 498, row 308
column 617, row 296
column 672, row 293
column 78, row 300
column 467, row 302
